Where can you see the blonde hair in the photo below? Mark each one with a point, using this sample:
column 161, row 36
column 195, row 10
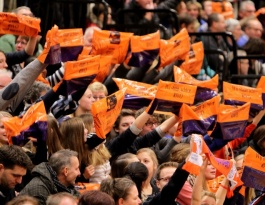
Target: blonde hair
column 98, row 87
column 151, row 153
column 99, row 156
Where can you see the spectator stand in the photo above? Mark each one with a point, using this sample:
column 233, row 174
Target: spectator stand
column 223, row 71
column 251, row 78
column 168, row 24
column 67, row 14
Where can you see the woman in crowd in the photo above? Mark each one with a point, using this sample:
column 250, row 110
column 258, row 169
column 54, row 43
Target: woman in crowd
column 148, row 158
column 98, row 154
column 122, row 190
column 3, row 135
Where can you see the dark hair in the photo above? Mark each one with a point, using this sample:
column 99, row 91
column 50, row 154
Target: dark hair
column 118, row 165
column 11, row 155
column 95, row 197
column 186, row 19
column 53, row 136
column 22, row 199
column 117, row 188
column 214, row 17
column 255, row 46
column 137, row 172
column 123, row 113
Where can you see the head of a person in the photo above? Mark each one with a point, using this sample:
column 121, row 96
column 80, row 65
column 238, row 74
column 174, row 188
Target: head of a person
column 14, row 163
column 85, row 102
column 119, row 164
column 207, row 7
column 188, row 22
column 138, row 173
column 3, row 64
column 62, row 198
column 259, row 138
column 23, row 200
column 151, row 123
column 144, row 3
column 74, row 136
column 208, row 198
column 23, row 10
column 181, row 8
column 239, row 163
column 88, row 35
column 148, row 157
column 21, row 42
column 216, row 22
column 194, row 8
column 95, row 197
column 233, row 26
column 254, row 46
column 98, row 10
column 164, row 173
column 99, row 90
column 88, row 122
column 247, row 9
column 179, row 152
column 3, row 136
column 210, row 171
column 53, row 135
column 66, row 165
column 122, row 190
column 124, row 120
column 252, row 27
column 37, row 90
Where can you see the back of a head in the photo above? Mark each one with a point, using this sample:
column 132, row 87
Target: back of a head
column 95, row 197
column 62, row 198
column 23, row 200
column 214, row 17
column 23, row 10
column 255, row 46
column 231, row 24
column 138, row 173
column 180, row 152
column 117, row 188
column 259, row 137
column 11, row 155
column 61, row 159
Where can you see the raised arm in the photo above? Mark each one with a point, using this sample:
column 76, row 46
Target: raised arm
column 31, row 45
column 14, row 92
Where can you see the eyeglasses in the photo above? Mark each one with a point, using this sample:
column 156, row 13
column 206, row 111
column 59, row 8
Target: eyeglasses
column 151, row 124
column 22, row 42
column 166, row 179
column 98, row 97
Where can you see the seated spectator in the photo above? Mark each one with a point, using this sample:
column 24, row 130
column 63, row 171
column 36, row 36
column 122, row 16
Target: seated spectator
column 181, row 8
column 233, row 26
column 23, row 200
column 57, row 175
column 216, row 23
column 194, row 9
column 252, row 27
column 62, row 198
column 95, row 197
column 14, row 163
column 246, row 9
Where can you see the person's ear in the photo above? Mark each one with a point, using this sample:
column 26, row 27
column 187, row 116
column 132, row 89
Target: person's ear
column 120, row 201
column 2, row 167
column 183, row 25
column 65, row 171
